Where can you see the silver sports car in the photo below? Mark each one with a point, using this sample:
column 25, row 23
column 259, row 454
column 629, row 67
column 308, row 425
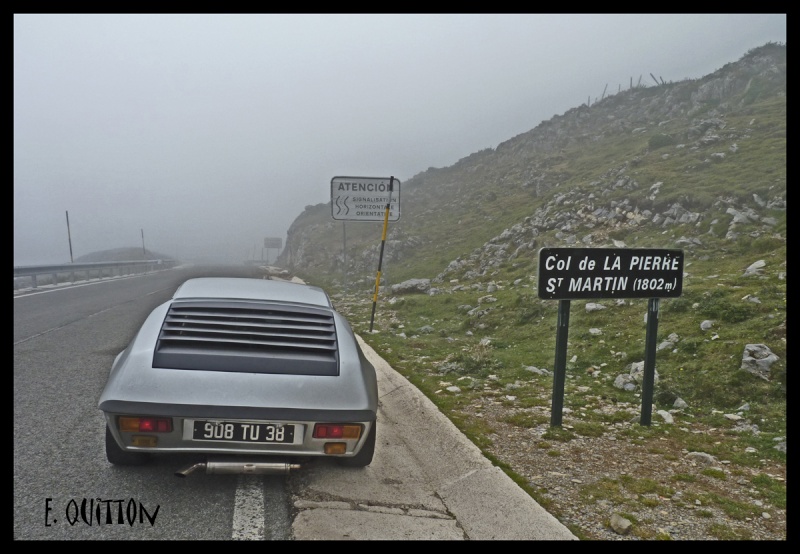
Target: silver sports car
column 243, row 372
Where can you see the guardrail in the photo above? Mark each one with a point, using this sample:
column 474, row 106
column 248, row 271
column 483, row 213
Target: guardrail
column 33, row 276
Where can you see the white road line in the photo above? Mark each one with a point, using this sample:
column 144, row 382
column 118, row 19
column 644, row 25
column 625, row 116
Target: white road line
column 248, row 509
column 42, row 289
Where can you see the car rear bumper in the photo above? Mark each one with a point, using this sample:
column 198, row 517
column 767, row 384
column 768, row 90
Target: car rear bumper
column 247, row 436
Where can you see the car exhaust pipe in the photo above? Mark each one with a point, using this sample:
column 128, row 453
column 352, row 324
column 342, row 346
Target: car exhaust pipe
column 187, row 470
column 233, row 468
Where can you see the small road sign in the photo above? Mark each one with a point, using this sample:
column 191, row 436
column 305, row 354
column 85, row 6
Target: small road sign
column 365, row 198
column 575, row 273
column 273, row 242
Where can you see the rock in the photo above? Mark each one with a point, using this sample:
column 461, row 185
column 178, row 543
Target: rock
column 665, row 344
column 637, row 373
column 666, row 416
column 620, row 525
column 412, row 286
column 754, row 268
column 757, row 359
column 536, row 370
column 701, row 458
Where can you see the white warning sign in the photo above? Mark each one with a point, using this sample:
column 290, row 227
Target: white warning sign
column 365, row 198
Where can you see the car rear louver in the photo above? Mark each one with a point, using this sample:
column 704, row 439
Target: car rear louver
column 248, row 337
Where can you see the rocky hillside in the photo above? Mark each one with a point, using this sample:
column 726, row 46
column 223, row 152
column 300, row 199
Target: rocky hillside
column 704, row 157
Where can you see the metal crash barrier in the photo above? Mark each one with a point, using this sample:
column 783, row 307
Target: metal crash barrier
column 34, row 276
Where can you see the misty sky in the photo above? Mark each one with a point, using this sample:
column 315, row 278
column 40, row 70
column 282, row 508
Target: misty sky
column 207, row 133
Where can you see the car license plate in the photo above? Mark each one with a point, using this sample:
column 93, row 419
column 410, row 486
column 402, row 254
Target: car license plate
column 238, row 431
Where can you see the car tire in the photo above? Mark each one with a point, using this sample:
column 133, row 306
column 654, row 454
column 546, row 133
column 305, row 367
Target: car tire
column 364, row 456
column 120, row 457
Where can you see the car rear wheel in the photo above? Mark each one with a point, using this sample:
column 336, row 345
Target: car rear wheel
column 120, row 457
column 364, row 456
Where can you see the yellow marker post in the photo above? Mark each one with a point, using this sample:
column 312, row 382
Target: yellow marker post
column 380, row 259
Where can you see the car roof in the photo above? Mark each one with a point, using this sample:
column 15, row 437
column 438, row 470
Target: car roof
column 242, row 288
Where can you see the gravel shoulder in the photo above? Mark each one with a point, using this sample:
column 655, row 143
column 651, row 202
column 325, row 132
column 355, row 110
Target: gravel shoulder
column 583, row 483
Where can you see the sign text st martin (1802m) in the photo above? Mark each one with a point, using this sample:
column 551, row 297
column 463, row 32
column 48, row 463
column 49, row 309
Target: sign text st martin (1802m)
column 574, row 273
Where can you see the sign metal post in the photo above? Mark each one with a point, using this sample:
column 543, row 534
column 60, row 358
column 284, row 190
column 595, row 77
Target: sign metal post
column 271, row 242
column 560, row 368
column 344, row 256
column 649, row 361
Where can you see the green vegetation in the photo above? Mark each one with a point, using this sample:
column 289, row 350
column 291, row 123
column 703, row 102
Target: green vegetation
column 725, row 533
column 660, row 141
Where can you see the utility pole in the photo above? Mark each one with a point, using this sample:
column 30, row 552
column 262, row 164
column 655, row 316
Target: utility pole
column 144, row 252
column 69, row 238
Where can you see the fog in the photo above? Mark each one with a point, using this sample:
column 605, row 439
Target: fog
column 199, row 135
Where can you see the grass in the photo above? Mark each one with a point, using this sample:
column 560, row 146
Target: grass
column 726, row 533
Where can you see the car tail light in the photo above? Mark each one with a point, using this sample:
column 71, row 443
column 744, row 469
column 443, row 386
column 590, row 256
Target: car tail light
column 145, row 424
column 336, row 431
column 335, row 448
column 144, row 441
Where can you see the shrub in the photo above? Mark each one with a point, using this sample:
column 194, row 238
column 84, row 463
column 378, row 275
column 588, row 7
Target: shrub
column 660, row 141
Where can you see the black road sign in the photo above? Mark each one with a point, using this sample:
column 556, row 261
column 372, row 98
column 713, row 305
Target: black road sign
column 579, row 273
